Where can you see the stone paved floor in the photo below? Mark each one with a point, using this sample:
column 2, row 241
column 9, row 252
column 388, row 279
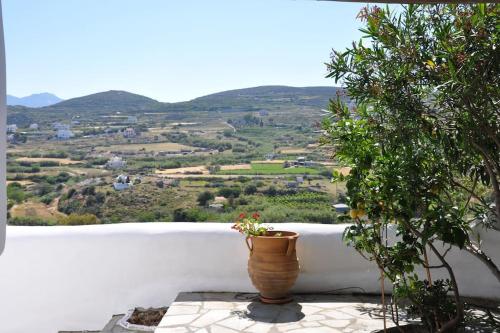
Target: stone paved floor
column 234, row 312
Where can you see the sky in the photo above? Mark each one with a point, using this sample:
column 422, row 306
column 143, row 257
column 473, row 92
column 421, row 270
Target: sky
column 171, row 50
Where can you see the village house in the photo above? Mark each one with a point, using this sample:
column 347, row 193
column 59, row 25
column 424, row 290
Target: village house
column 341, row 208
column 131, row 119
column 116, row 162
column 122, row 182
column 12, row 128
column 129, row 133
column 34, row 126
column 59, row 126
column 64, row 134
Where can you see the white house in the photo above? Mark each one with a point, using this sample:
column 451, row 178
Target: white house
column 59, row 126
column 129, row 133
column 122, row 182
column 34, row 126
column 12, row 128
column 341, row 208
column 64, row 134
column 116, row 162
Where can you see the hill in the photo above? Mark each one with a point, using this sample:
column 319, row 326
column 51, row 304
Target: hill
column 34, row 100
column 271, row 98
column 265, row 96
column 113, row 100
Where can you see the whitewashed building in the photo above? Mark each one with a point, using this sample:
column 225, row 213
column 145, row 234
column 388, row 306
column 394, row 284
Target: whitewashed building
column 64, row 134
column 122, row 182
column 129, row 133
column 116, row 162
column 12, row 128
column 60, row 126
column 34, row 126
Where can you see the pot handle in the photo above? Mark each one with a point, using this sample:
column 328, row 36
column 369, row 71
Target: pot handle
column 250, row 248
column 291, row 245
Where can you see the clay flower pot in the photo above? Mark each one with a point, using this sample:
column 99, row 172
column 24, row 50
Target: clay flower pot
column 273, row 265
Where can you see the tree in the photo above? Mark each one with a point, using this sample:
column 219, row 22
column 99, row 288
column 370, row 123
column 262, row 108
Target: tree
column 250, row 189
column 423, row 144
column 204, row 198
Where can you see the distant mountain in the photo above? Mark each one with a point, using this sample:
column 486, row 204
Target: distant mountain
column 113, row 100
column 271, row 98
column 304, row 96
column 34, row 101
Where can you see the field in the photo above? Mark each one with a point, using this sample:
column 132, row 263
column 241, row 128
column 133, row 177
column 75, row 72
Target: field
column 145, row 147
column 181, row 153
column 61, row 161
column 270, row 169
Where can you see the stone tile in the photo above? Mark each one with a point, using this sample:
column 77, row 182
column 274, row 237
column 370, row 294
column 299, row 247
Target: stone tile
column 218, row 305
column 336, row 323
column 171, row 330
column 236, row 323
column 210, row 318
column 221, row 329
column 183, row 309
column 201, row 330
column 260, row 328
column 335, row 314
column 169, row 321
column 315, row 330
column 309, row 309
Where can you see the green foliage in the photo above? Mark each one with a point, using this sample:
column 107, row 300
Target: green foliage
column 29, row 221
column 204, row 198
column 15, row 192
column 270, row 169
column 250, row 189
column 427, row 116
column 228, row 192
column 79, row 219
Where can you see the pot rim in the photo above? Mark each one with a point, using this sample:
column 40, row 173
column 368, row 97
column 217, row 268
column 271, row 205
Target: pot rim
column 295, row 235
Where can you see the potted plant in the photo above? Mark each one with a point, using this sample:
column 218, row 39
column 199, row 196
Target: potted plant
column 272, row 265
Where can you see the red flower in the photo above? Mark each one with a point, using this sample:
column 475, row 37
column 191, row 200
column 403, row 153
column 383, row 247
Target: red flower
column 256, row 216
column 242, row 216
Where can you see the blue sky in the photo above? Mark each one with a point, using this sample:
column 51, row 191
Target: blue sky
column 171, row 50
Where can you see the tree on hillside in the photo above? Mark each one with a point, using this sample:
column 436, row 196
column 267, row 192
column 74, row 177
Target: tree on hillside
column 423, row 143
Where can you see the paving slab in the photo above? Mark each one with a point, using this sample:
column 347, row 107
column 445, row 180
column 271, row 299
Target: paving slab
column 242, row 312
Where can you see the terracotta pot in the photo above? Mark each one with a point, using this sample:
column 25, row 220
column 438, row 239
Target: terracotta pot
column 273, row 266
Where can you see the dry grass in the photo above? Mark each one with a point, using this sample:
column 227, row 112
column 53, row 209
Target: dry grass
column 292, row 150
column 185, row 170
column 236, row 167
column 36, row 209
column 63, row 161
column 149, row 147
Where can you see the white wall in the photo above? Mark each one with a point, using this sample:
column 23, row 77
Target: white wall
column 3, row 138
column 65, row 278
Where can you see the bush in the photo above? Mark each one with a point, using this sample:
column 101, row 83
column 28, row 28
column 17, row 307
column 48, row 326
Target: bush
column 15, row 193
column 227, row 192
column 204, row 198
column 29, row 221
column 79, row 219
column 250, row 189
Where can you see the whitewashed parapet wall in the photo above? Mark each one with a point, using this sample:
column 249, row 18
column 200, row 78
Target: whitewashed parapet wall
column 69, row 278
column 3, row 138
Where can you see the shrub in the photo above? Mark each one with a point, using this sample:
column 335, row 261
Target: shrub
column 79, row 219
column 29, row 221
column 250, row 189
column 227, row 192
column 204, row 198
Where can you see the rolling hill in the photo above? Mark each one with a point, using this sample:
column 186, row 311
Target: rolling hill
column 239, row 100
column 34, row 101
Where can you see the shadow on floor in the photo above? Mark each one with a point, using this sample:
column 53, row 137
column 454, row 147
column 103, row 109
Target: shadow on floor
column 271, row 313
